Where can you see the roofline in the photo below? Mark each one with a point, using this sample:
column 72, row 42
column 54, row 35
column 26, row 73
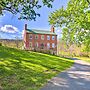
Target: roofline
column 38, row 29
column 41, row 33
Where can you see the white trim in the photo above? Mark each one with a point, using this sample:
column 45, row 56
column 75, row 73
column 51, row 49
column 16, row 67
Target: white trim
column 48, row 37
column 48, row 45
column 53, row 37
column 53, row 45
column 30, row 36
column 42, row 37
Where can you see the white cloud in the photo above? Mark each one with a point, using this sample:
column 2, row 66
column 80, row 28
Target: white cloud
column 9, row 29
column 22, row 32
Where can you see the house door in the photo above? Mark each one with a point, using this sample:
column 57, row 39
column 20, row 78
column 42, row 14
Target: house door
column 42, row 46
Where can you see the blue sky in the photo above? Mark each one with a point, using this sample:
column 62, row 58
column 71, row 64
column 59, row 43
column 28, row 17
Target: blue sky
column 40, row 23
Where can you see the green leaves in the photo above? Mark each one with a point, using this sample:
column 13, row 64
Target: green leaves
column 23, row 70
column 47, row 3
column 26, row 8
column 74, row 20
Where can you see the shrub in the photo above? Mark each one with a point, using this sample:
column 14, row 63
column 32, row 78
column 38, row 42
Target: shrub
column 0, row 44
column 48, row 52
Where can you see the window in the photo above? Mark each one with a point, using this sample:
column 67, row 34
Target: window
column 48, row 45
column 30, row 44
column 42, row 37
column 48, row 37
column 30, row 36
column 53, row 37
column 36, row 45
column 53, row 45
column 36, row 36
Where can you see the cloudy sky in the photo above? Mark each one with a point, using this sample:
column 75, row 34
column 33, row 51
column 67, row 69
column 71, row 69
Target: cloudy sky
column 10, row 26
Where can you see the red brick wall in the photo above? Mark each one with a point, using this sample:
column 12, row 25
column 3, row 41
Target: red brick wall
column 39, row 40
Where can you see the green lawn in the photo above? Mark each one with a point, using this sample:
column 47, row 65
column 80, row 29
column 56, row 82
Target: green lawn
column 22, row 70
column 84, row 59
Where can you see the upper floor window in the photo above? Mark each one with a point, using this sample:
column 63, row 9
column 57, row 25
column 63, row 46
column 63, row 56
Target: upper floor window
column 53, row 45
column 48, row 37
column 53, row 37
column 30, row 36
column 36, row 36
column 42, row 37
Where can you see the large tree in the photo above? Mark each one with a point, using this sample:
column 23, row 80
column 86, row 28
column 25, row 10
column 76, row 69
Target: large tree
column 74, row 21
column 26, row 8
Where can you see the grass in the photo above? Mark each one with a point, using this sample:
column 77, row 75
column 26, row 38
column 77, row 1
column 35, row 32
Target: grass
column 22, row 70
column 87, row 59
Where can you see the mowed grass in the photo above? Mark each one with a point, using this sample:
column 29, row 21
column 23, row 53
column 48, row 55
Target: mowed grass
column 22, row 70
column 87, row 59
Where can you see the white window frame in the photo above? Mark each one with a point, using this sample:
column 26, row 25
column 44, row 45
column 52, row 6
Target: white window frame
column 53, row 45
column 30, row 44
column 48, row 45
column 42, row 37
column 48, row 37
column 36, row 44
column 30, row 36
column 36, row 36
column 53, row 37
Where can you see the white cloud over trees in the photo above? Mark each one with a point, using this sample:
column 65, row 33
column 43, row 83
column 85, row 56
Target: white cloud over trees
column 9, row 29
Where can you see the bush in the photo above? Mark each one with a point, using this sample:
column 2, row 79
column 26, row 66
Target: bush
column 48, row 51
column 0, row 44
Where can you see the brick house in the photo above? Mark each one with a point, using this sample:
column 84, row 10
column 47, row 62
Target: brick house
column 40, row 40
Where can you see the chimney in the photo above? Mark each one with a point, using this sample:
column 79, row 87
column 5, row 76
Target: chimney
column 25, row 28
column 52, row 28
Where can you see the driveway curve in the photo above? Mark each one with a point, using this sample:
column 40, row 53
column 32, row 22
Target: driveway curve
column 76, row 78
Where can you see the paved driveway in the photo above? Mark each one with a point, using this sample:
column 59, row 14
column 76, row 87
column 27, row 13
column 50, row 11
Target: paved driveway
column 76, row 78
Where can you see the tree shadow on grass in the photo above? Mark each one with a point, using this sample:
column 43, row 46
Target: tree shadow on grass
column 28, row 70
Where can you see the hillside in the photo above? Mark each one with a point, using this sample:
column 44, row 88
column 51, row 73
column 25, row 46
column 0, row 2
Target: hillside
column 22, row 70
column 14, row 43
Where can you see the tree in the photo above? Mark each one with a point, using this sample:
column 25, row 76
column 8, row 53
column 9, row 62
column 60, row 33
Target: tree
column 75, row 22
column 26, row 8
column 88, row 1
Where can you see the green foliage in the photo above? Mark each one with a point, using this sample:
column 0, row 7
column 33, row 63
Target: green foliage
column 22, row 70
column 0, row 44
column 75, row 22
column 26, row 8
column 88, row 1
column 87, row 43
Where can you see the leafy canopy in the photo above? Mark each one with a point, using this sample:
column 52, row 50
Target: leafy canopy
column 74, row 21
column 26, row 8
